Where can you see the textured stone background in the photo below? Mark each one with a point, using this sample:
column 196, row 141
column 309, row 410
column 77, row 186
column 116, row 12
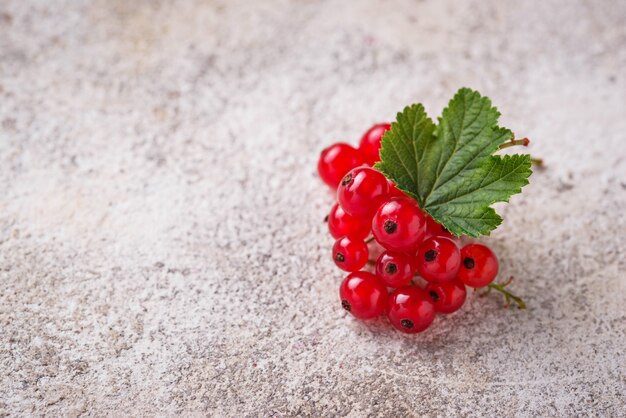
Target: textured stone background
column 162, row 249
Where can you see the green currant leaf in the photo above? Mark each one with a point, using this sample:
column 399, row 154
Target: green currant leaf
column 450, row 169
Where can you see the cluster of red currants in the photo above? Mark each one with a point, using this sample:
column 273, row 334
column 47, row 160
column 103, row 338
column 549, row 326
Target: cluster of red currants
column 414, row 244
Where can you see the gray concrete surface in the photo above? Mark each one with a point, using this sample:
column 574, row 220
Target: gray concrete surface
column 162, row 250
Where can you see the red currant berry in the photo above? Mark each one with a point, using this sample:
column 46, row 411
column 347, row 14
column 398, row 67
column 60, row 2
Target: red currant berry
column 448, row 297
column 350, row 254
column 410, row 309
column 395, row 269
column 370, row 142
column 399, row 224
column 340, row 224
column 394, row 191
column 362, row 191
column 363, row 295
column 335, row 161
column 479, row 265
column 435, row 229
column 438, row 259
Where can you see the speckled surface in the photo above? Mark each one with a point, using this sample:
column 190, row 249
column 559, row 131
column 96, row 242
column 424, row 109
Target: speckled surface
column 162, row 250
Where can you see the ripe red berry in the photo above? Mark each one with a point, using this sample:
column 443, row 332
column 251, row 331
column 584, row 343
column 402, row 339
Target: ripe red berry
column 394, row 191
column 370, row 142
column 362, row 190
column 335, row 161
column 340, row 224
column 396, row 269
column 363, row 294
column 350, row 254
column 448, row 297
column 410, row 309
column 479, row 265
column 438, row 259
column 435, row 229
column 399, row 224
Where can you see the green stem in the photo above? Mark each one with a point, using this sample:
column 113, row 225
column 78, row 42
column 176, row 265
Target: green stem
column 508, row 296
column 514, row 142
column 370, row 239
column 523, row 142
column 537, row 161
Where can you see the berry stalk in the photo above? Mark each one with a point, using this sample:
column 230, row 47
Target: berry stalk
column 524, row 142
column 514, row 142
column 537, row 161
column 508, row 296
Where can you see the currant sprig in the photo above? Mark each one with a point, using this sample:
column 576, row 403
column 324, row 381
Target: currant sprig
column 429, row 184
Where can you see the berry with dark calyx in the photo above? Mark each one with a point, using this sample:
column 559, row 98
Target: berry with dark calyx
column 448, row 297
column 396, row 269
column 438, row 259
column 362, row 190
column 335, row 161
column 350, row 254
column 370, row 142
column 340, row 223
column 410, row 309
column 363, row 294
column 399, row 224
column 479, row 265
